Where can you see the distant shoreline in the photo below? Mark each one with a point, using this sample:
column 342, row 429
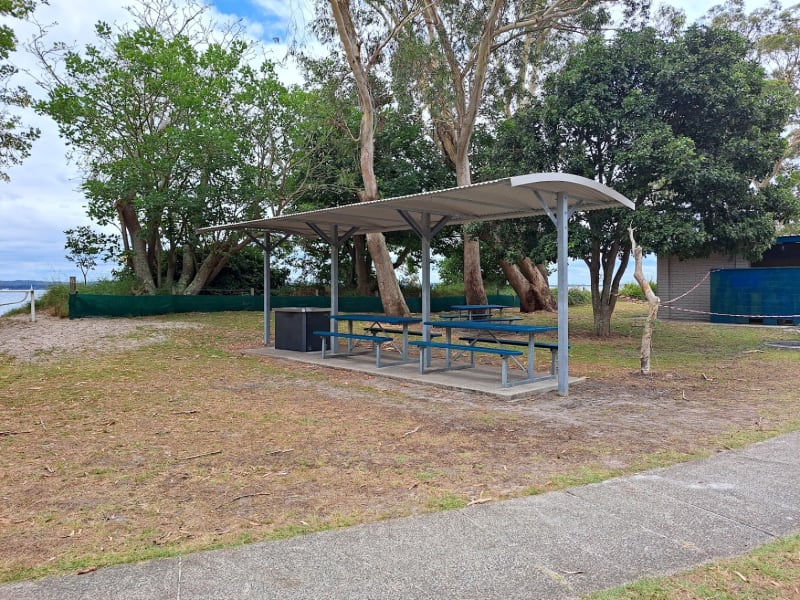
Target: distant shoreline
column 26, row 284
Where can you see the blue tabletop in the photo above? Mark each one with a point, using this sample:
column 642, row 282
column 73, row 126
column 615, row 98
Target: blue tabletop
column 492, row 326
column 479, row 306
column 377, row 319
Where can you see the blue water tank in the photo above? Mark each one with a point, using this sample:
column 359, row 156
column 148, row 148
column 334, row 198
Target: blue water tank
column 769, row 296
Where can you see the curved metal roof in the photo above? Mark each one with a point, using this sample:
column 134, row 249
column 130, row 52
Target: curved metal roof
column 508, row 198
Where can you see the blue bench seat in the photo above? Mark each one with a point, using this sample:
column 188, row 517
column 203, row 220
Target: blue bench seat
column 375, row 330
column 545, row 345
column 504, row 353
column 377, row 342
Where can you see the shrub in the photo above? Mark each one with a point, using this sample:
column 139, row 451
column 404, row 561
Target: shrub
column 576, row 296
column 634, row 290
column 55, row 300
column 579, row 296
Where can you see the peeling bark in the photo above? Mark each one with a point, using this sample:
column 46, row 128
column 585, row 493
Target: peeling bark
column 362, row 264
column 391, row 296
column 652, row 300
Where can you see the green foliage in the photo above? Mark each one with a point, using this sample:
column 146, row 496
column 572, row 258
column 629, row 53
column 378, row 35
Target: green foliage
column 177, row 131
column 245, row 270
column 55, row 300
column 681, row 127
column 15, row 139
column 634, row 290
column 86, row 246
column 578, row 297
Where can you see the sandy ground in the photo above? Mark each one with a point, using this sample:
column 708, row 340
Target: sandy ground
column 50, row 337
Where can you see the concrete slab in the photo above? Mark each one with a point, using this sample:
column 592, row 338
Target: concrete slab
column 753, row 493
column 700, row 531
column 482, row 379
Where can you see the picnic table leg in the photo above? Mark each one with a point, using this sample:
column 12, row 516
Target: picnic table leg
column 449, row 337
column 323, row 347
column 531, row 350
column 504, row 379
column 405, row 342
column 350, row 340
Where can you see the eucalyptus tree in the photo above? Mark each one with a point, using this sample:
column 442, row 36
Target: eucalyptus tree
column 450, row 51
column 682, row 128
column 175, row 129
column 405, row 162
column 364, row 31
column 15, row 138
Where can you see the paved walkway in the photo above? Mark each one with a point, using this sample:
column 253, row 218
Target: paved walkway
column 552, row 546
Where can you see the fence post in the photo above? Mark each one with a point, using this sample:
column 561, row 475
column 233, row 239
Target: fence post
column 33, row 306
column 73, row 286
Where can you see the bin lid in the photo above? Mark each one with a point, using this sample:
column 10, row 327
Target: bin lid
column 302, row 309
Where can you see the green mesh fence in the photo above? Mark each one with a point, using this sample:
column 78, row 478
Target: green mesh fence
column 93, row 305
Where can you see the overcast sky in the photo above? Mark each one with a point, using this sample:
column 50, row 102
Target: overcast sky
column 43, row 198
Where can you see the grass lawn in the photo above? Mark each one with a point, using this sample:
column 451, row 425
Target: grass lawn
column 176, row 441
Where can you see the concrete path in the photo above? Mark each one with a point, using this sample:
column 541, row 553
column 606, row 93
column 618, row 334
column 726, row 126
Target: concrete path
column 557, row 545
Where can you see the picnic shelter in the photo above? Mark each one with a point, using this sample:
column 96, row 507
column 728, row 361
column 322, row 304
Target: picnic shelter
column 555, row 195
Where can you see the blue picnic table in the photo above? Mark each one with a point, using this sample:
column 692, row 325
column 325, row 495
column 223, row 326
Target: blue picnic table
column 488, row 331
column 475, row 312
column 377, row 324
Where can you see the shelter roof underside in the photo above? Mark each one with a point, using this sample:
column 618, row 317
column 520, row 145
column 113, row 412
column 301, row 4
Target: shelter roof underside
column 509, row 198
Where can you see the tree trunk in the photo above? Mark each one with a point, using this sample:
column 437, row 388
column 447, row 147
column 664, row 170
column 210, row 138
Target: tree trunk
column 456, row 124
column 392, row 298
column 362, row 264
column 474, row 290
column 172, row 263
column 126, row 245
column 602, row 319
column 394, row 303
column 141, row 266
column 652, row 300
column 204, row 274
column 604, row 297
column 188, row 269
column 539, row 286
column 528, row 301
column 213, row 264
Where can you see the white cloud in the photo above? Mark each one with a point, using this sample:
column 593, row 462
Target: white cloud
column 42, row 199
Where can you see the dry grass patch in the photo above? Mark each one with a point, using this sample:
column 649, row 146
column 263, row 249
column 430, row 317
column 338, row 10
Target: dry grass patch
column 113, row 454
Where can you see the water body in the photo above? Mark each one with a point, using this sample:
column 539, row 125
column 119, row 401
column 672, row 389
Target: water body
column 13, row 299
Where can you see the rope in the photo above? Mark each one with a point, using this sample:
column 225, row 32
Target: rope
column 24, row 298
column 716, row 314
column 697, row 285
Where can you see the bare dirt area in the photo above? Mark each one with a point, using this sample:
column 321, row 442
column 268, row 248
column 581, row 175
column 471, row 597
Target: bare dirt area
column 138, row 438
column 52, row 337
